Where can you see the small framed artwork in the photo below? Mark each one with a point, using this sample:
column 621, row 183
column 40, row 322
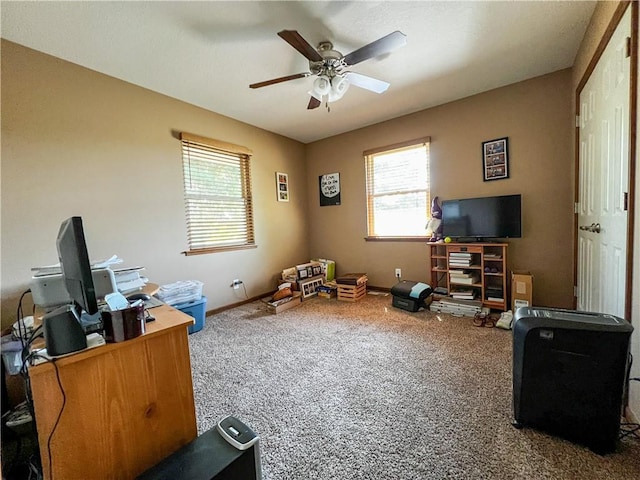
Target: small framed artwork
column 495, row 159
column 329, row 189
column 282, row 186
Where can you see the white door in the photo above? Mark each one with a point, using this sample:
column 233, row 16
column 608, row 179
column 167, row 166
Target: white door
column 604, row 178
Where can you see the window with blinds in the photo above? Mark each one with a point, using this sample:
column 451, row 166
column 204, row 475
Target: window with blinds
column 217, row 192
column 398, row 196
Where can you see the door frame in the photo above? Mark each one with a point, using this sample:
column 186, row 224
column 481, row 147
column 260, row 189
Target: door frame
column 613, row 24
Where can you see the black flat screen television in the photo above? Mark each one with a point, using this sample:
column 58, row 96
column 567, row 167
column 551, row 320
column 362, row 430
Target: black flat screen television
column 76, row 266
column 482, row 218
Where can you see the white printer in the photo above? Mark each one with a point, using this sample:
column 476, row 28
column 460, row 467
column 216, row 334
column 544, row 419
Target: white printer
column 48, row 291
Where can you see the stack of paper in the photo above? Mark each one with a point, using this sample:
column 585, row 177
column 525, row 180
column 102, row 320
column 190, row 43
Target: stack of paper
column 56, row 269
column 129, row 279
column 180, row 292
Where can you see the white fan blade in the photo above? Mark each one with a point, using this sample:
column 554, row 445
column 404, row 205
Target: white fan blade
column 369, row 83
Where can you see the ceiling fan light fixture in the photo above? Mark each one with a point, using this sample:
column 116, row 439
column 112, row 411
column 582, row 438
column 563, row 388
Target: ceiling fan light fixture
column 339, row 85
column 321, row 86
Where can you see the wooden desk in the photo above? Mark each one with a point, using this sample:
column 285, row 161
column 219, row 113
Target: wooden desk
column 128, row 404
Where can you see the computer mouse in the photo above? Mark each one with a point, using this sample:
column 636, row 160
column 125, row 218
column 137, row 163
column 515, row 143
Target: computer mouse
column 138, row 296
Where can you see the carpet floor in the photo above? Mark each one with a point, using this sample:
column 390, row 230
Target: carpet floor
column 339, row 390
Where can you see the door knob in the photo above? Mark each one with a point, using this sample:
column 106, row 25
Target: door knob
column 594, row 228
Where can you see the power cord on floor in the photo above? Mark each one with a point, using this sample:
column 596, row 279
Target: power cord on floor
column 630, row 429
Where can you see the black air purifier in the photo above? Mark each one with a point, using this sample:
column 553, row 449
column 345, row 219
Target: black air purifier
column 569, row 371
column 230, row 451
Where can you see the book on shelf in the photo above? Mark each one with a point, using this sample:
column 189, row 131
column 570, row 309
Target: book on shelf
column 465, row 281
column 495, row 299
column 454, row 273
column 460, row 263
column 460, row 293
column 493, row 293
column 492, row 256
column 494, row 288
column 463, row 297
column 460, row 254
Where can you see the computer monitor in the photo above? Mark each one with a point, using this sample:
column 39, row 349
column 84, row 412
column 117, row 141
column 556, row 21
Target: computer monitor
column 64, row 328
column 76, row 266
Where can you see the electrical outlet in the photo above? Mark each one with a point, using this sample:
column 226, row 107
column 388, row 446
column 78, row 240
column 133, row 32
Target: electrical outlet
column 398, row 272
column 236, row 284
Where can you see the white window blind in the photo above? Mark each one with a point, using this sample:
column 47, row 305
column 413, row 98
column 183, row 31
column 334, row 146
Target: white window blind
column 217, row 191
column 398, row 196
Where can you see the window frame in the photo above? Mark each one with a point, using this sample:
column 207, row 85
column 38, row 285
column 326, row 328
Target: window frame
column 368, row 158
column 242, row 155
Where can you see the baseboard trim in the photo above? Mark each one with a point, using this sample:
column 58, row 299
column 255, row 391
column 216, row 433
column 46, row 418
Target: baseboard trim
column 379, row 289
column 237, row 304
column 267, row 294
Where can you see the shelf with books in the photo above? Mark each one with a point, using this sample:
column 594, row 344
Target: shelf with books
column 471, row 271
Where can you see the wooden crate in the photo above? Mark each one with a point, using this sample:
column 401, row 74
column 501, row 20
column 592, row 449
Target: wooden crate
column 351, row 293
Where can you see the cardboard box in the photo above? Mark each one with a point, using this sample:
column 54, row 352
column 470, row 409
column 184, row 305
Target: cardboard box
column 281, row 306
column 327, row 291
column 289, row 275
column 294, row 284
column 521, row 290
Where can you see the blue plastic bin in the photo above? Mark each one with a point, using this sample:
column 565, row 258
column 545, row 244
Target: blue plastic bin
column 197, row 310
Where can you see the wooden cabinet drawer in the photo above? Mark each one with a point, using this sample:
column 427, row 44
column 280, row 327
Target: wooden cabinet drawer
column 465, row 248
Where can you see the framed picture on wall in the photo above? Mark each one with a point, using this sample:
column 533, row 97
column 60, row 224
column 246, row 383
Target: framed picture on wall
column 282, row 186
column 495, row 159
column 329, row 185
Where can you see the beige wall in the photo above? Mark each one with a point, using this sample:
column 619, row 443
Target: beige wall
column 599, row 22
column 535, row 115
column 75, row 142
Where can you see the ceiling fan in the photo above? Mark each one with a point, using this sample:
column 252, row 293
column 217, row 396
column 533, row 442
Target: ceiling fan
column 330, row 66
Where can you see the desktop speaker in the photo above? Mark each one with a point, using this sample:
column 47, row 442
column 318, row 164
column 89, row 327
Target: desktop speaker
column 569, row 372
column 62, row 332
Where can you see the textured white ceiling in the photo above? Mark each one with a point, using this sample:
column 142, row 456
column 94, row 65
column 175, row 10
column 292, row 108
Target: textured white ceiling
column 207, row 53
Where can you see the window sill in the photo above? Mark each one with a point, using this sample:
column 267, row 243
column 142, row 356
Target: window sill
column 204, row 251
column 396, row 239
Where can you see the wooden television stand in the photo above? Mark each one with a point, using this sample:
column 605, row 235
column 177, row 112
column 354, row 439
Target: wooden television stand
column 487, row 269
